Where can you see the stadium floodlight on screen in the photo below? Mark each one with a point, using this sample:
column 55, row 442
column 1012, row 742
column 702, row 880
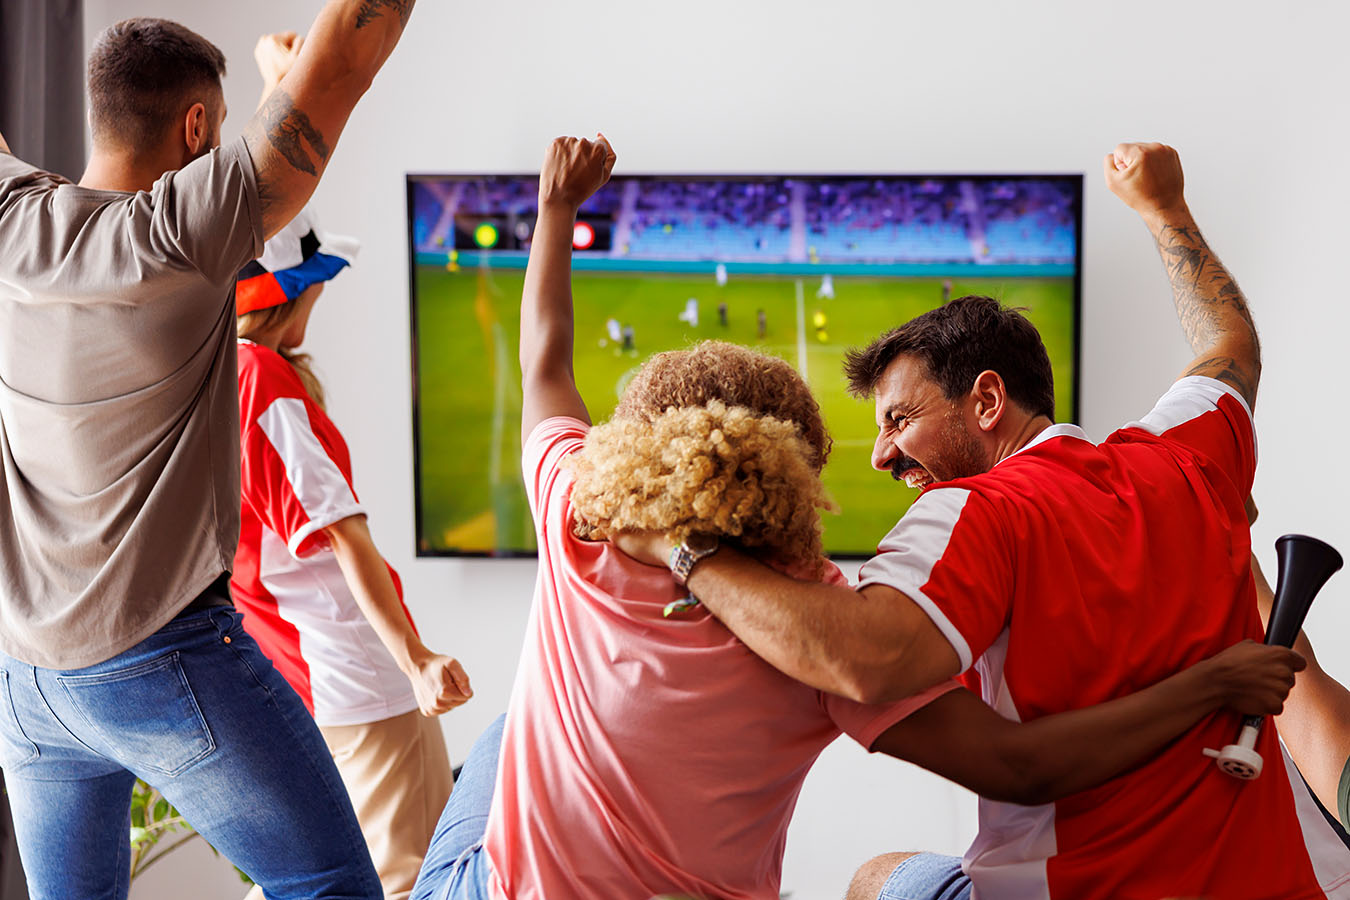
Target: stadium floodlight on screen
column 802, row 267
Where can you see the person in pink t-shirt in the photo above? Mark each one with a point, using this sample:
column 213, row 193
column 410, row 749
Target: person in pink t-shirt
column 646, row 750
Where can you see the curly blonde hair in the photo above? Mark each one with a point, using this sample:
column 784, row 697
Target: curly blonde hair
column 717, row 440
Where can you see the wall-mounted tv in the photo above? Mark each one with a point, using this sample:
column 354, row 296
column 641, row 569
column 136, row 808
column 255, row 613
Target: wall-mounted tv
column 799, row 266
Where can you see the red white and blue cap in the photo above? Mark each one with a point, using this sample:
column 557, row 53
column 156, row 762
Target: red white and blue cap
column 298, row 256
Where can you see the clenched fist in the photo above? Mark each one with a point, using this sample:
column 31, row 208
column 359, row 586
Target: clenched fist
column 1147, row 177
column 574, row 169
column 275, row 54
column 440, row 684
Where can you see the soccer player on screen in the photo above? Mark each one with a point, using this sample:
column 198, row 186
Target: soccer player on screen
column 646, row 753
column 826, row 289
column 1061, row 572
column 690, row 314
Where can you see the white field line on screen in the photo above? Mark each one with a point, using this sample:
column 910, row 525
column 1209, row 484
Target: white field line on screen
column 801, row 328
column 498, row 404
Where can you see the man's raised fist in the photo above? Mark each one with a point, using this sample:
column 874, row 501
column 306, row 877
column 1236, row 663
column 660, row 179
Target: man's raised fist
column 1147, row 177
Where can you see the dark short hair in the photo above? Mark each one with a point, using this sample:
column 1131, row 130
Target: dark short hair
column 957, row 341
column 144, row 73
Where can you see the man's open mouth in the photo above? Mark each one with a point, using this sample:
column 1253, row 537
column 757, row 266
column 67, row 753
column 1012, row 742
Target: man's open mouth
column 916, row 477
column 911, row 473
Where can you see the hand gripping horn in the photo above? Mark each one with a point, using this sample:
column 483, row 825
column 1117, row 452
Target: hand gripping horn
column 1305, row 565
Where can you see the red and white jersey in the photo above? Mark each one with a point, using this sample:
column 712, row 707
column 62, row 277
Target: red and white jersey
column 1074, row 573
column 296, row 481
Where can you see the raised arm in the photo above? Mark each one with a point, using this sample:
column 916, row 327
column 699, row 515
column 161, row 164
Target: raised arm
column 573, row 170
column 874, row 645
column 960, row 738
column 295, row 129
column 1211, row 306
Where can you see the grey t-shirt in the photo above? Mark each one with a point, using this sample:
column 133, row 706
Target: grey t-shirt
column 119, row 409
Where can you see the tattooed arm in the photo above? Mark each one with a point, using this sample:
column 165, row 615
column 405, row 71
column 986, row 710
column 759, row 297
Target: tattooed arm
column 1211, row 306
column 294, row 130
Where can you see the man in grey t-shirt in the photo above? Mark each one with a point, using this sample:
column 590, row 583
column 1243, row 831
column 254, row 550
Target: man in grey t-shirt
column 120, row 655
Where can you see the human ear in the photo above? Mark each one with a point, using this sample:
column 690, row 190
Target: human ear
column 195, row 128
column 990, row 396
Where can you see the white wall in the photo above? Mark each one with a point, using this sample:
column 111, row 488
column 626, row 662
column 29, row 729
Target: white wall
column 1252, row 95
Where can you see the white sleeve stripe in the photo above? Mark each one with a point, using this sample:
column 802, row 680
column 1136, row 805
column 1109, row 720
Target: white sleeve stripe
column 318, row 483
column 1187, row 399
column 906, row 565
column 944, row 625
column 318, row 524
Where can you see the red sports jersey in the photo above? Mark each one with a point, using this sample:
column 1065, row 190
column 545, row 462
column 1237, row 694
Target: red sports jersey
column 296, row 481
column 1074, row 573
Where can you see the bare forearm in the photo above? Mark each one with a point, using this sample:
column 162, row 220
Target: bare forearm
column 1036, row 762
column 367, row 29
column 4, row 148
column 960, row 738
column 297, row 125
column 873, row 647
column 1211, row 306
column 1073, row 751
column 546, row 305
column 367, row 577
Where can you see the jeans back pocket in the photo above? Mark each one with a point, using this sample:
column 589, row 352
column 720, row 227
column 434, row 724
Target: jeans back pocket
column 146, row 715
column 16, row 750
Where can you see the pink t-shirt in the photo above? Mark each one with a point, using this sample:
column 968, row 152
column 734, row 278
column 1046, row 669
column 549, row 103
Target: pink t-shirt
column 644, row 755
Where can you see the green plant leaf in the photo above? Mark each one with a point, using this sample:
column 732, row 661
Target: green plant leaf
column 162, row 809
column 141, row 836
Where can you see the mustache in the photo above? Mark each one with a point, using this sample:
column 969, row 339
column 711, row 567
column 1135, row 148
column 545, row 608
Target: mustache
column 902, row 464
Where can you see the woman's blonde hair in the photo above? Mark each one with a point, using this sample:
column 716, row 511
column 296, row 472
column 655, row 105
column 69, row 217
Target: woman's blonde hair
column 718, row 440
column 278, row 318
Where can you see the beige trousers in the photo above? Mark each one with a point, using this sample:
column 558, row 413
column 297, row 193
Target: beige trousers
column 397, row 772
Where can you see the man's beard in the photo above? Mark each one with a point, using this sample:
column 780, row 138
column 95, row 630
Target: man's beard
column 958, row 455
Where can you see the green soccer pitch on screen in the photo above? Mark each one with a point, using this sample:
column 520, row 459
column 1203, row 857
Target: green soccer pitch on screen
column 800, row 267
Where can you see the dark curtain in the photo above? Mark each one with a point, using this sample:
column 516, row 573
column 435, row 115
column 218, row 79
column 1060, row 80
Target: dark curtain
column 11, row 875
column 42, row 120
column 42, row 82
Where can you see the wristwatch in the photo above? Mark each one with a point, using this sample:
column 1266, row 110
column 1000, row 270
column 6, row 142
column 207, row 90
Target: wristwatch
column 687, row 554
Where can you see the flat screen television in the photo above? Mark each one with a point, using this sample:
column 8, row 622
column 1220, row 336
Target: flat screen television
column 798, row 266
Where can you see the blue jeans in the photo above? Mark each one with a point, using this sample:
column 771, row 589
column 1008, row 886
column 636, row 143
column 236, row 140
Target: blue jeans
column 456, row 865
column 927, row 876
column 197, row 711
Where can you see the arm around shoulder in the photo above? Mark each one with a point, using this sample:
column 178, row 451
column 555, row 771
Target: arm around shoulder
column 960, row 738
column 874, row 645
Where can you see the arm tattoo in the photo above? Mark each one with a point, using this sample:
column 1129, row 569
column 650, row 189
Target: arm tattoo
column 288, row 130
column 373, row 9
column 1225, row 369
column 1210, row 305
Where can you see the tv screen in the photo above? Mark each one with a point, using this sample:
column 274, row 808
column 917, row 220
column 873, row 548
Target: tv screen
column 802, row 267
